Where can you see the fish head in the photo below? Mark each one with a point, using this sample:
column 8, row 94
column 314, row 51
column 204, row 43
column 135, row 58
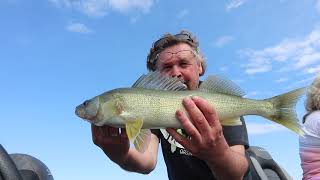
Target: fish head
column 88, row 110
column 111, row 109
column 104, row 109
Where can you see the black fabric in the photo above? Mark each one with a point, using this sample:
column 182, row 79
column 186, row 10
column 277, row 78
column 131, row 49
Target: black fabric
column 181, row 165
column 251, row 173
column 8, row 169
column 29, row 175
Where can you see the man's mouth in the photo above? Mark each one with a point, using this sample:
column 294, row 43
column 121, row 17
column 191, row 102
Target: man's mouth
column 184, row 83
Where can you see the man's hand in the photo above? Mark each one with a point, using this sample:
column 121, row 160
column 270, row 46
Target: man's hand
column 206, row 140
column 117, row 147
column 202, row 124
column 114, row 144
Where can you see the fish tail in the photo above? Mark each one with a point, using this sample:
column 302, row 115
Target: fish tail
column 284, row 110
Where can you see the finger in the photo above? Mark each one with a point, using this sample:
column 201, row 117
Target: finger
column 118, row 136
column 123, row 133
column 94, row 132
column 211, row 115
column 207, row 110
column 104, row 130
column 196, row 115
column 107, row 133
column 93, row 129
column 99, row 134
column 123, row 136
column 179, row 138
column 188, row 126
column 111, row 135
column 113, row 132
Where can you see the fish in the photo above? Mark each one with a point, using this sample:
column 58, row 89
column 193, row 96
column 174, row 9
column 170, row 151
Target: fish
column 153, row 99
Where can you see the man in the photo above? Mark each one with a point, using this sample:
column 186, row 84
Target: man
column 211, row 151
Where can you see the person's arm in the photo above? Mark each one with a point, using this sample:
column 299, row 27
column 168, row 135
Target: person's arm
column 232, row 165
column 142, row 162
column 117, row 147
column 207, row 141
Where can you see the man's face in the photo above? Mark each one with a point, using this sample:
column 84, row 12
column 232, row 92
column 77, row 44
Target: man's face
column 180, row 61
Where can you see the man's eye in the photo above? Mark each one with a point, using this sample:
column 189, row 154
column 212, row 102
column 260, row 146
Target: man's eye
column 184, row 64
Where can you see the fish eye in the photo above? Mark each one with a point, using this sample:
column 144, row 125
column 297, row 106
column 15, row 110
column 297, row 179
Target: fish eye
column 86, row 103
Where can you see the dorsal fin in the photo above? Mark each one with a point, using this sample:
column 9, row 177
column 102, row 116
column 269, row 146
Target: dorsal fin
column 218, row 84
column 155, row 80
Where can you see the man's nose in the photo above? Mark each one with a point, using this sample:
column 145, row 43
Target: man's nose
column 175, row 72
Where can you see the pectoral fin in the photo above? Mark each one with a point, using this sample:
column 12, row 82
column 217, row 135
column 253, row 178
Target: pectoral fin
column 142, row 141
column 139, row 137
column 133, row 128
column 231, row 122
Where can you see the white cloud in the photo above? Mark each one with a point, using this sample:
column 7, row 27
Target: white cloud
column 238, row 81
column 313, row 70
column 78, row 28
column 235, row 4
column 307, row 59
column 259, row 95
column 99, row 8
column 256, row 68
column 223, row 68
column 281, row 80
column 127, row 5
column 305, row 81
column 183, row 13
column 289, row 55
column 252, row 94
column 257, row 129
column 223, row 40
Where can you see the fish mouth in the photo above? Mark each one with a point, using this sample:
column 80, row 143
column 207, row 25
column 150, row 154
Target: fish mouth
column 88, row 110
column 81, row 112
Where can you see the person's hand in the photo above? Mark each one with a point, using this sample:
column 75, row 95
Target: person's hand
column 114, row 144
column 201, row 122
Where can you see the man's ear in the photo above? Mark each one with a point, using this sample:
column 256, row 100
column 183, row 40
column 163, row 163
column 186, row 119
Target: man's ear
column 200, row 68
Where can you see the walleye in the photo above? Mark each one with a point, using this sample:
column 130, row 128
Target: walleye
column 152, row 101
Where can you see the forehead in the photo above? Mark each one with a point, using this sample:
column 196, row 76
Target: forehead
column 177, row 47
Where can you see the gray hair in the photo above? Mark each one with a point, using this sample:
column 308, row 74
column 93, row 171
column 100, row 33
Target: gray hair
column 168, row 40
column 312, row 102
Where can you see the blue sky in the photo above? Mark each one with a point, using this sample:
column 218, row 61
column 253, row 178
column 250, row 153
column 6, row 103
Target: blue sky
column 55, row 54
